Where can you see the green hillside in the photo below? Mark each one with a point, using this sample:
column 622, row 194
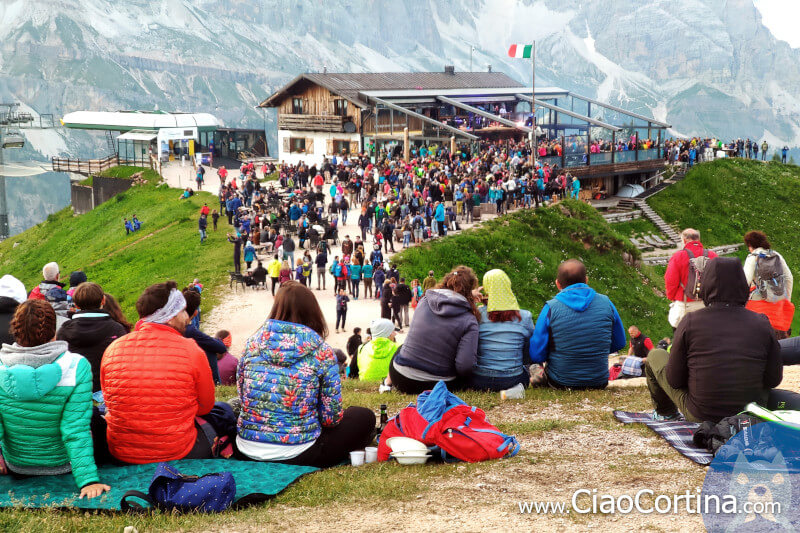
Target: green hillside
column 167, row 246
column 727, row 198
column 530, row 244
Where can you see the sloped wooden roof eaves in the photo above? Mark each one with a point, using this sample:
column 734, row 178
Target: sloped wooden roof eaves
column 348, row 85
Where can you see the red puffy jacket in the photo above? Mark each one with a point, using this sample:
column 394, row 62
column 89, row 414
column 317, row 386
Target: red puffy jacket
column 677, row 273
column 154, row 382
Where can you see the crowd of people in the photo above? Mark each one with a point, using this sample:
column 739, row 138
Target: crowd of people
column 81, row 386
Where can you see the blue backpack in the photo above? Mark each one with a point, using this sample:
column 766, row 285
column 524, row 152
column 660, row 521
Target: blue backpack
column 170, row 490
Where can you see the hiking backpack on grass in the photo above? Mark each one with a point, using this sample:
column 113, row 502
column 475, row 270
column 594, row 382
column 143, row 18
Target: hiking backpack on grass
column 442, row 419
column 769, row 277
column 694, row 278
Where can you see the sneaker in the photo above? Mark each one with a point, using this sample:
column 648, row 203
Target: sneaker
column 667, row 418
column 384, row 388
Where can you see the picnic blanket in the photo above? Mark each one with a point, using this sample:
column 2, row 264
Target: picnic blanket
column 255, row 482
column 677, row 433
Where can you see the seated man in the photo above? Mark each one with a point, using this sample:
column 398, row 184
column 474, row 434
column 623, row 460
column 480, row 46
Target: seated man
column 156, row 382
column 723, row 356
column 575, row 333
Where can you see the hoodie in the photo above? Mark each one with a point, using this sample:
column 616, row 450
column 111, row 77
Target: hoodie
column 574, row 334
column 288, row 380
column 724, row 355
column 443, row 338
column 45, row 411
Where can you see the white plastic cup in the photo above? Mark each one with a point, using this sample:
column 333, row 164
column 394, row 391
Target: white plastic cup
column 371, row 454
column 357, row 458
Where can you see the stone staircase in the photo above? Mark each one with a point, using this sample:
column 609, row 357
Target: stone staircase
column 651, row 215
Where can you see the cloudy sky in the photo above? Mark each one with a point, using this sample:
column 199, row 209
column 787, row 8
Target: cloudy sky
column 782, row 17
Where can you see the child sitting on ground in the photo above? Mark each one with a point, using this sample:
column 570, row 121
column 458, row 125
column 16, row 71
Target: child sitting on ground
column 226, row 362
column 374, row 356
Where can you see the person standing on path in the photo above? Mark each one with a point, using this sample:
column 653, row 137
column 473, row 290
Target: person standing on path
column 237, row 251
column 366, row 272
column 321, row 261
column 202, row 224
column 288, row 249
column 274, row 272
column 404, row 300
column 429, row 282
column 341, row 308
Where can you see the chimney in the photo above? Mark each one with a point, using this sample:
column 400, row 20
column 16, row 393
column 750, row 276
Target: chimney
column 489, row 68
column 324, row 69
column 450, row 69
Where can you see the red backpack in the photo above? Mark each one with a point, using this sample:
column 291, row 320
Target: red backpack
column 462, row 433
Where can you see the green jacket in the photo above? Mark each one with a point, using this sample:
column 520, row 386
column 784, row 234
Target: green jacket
column 46, row 410
column 374, row 358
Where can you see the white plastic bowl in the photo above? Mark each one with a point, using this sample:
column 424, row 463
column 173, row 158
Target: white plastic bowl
column 404, row 444
column 412, row 459
column 409, row 453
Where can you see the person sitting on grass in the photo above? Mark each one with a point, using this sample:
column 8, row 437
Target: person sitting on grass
column 375, row 356
column 212, row 347
column 442, row 343
column 575, row 333
column 504, row 333
column 226, row 363
column 723, row 356
column 91, row 329
column 290, row 389
column 156, row 382
column 46, row 403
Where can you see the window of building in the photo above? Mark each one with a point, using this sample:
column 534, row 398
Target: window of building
column 297, row 145
column 340, row 107
column 297, row 106
column 341, row 147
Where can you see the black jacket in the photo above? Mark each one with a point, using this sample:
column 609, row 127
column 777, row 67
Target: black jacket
column 725, row 355
column 7, row 308
column 89, row 333
column 404, row 293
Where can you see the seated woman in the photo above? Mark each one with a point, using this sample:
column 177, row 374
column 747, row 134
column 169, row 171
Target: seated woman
column 46, row 402
column 290, row 389
column 374, row 357
column 442, row 342
column 504, row 334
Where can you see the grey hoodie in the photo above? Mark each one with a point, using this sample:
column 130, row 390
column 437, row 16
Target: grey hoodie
column 443, row 339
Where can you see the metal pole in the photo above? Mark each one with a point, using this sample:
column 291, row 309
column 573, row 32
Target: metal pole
column 533, row 104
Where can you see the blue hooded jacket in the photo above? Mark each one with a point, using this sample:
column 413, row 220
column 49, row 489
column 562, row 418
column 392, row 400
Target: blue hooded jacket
column 574, row 334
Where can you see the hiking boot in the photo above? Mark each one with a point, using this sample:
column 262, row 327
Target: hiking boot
column 667, row 418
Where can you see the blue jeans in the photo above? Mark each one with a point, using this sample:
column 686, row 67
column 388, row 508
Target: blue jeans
column 290, row 256
column 496, row 384
column 202, row 235
column 355, row 283
column 406, row 238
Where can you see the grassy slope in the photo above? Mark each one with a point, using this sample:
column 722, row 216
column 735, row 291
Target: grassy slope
column 96, row 243
column 726, row 199
column 530, row 244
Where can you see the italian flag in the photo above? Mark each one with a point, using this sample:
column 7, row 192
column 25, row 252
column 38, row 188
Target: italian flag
column 520, row 50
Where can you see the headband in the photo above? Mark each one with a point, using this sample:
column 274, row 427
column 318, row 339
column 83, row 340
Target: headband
column 175, row 304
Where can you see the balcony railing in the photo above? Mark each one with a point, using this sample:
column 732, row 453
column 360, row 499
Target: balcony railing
column 330, row 123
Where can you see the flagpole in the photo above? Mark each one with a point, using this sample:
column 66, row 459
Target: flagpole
column 533, row 103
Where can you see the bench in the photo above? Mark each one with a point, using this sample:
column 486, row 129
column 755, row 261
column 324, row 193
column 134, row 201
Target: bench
column 236, row 278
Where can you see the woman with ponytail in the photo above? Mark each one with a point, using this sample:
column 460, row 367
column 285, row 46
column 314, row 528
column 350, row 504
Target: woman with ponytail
column 442, row 343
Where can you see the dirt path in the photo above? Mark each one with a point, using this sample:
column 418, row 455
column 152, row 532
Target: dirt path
column 243, row 311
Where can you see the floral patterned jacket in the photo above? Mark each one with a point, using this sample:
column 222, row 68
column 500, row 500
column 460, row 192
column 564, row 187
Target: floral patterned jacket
column 288, row 381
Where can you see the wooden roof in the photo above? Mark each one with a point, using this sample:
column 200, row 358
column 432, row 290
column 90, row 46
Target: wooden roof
column 349, row 85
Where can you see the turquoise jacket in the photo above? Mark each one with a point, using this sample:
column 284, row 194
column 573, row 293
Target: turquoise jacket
column 46, row 410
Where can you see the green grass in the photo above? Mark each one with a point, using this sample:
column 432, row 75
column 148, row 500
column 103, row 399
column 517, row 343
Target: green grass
column 383, row 483
column 126, row 171
column 636, row 227
column 727, row 198
column 125, row 264
column 529, row 245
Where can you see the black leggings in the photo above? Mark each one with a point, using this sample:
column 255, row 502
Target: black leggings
column 780, row 399
column 412, row 386
column 354, row 432
column 790, row 351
